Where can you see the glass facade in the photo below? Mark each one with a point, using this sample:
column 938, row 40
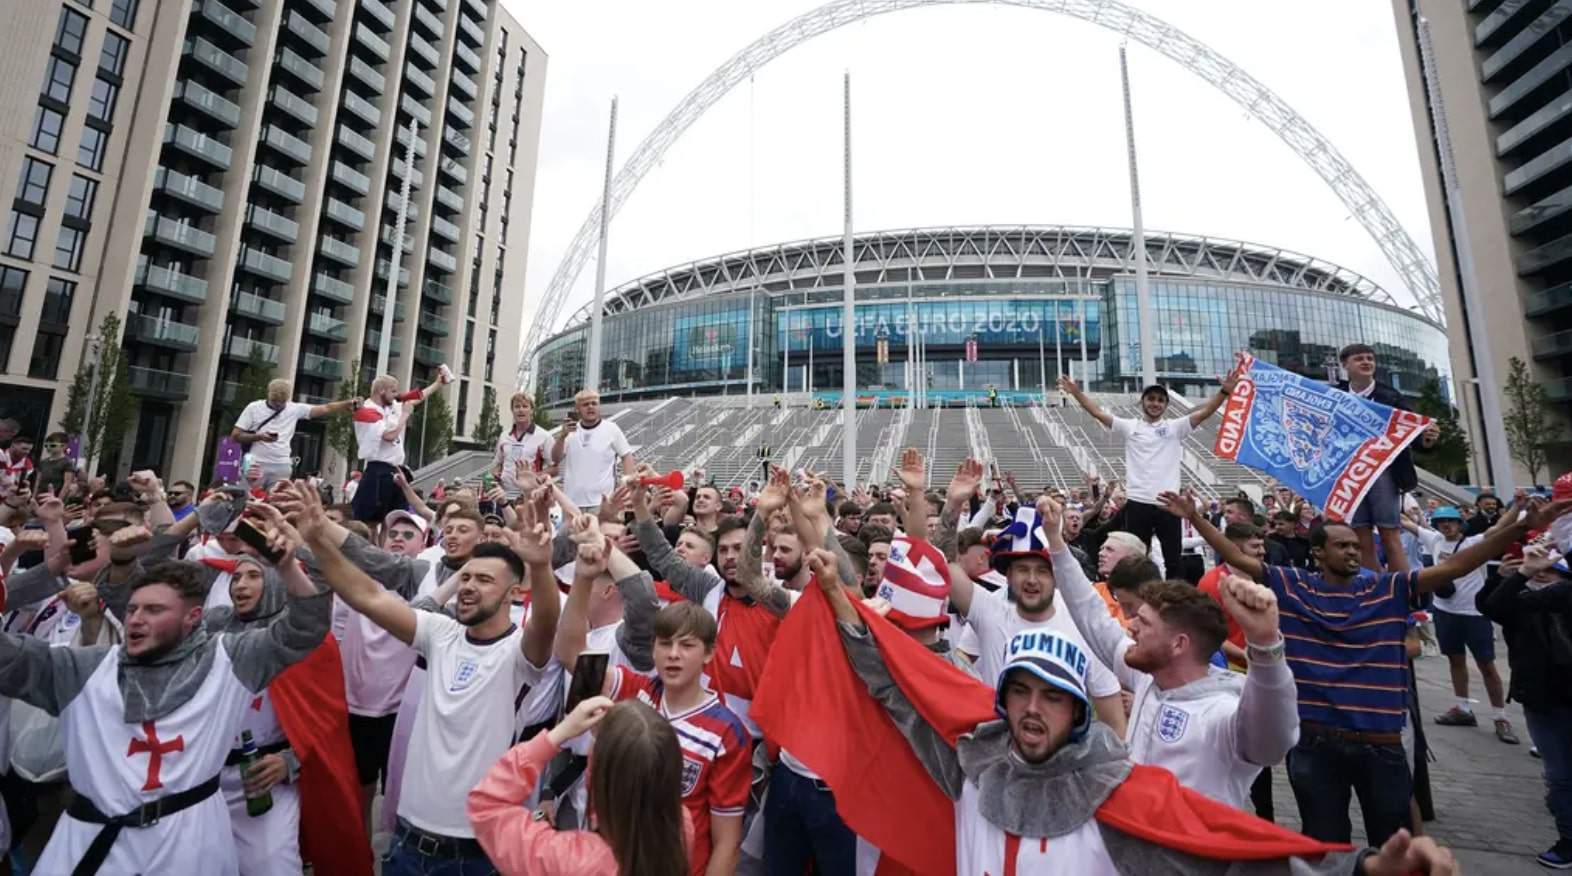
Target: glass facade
column 700, row 347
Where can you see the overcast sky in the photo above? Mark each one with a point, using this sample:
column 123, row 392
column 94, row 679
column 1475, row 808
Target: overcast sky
column 962, row 115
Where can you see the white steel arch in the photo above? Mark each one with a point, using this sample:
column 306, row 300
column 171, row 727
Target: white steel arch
column 1226, row 76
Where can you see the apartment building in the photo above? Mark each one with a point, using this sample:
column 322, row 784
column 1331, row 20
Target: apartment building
column 227, row 176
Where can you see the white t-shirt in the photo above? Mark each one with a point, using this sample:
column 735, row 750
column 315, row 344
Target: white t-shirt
column 1151, row 455
column 513, row 449
column 589, row 462
column 466, row 719
column 272, row 452
column 1468, row 586
column 995, row 620
column 368, row 436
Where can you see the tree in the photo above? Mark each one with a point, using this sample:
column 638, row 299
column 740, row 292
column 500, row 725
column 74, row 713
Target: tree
column 76, row 402
column 542, row 416
column 112, row 405
column 340, row 428
column 430, row 429
column 254, row 378
column 1449, row 456
column 489, row 429
column 1530, row 425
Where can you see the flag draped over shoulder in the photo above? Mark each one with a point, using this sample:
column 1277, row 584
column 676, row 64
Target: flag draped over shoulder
column 1325, row 444
column 811, row 702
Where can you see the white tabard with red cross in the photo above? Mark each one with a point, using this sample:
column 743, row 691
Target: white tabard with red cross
column 122, row 766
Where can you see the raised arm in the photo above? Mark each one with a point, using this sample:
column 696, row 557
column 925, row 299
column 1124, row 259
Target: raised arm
column 693, row 584
column 533, row 544
column 1227, row 382
column 1068, row 384
column 43, row 676
column 384, row 607
column 912, row 472
column 1266, row 723
column 156, row 511
column 965, row 482
column 1513, row 527
column 412, row 498
column 636, row 636
column 343, row 406
column 750, row 569
column 259, row 655
column 1104, row 635
column 1181, row 507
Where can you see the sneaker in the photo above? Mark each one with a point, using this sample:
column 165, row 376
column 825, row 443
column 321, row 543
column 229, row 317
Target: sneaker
column 1504, row 731
column 1456, row 717
column 1558, row 856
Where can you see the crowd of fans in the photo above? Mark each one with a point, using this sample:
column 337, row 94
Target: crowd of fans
column 580, row 665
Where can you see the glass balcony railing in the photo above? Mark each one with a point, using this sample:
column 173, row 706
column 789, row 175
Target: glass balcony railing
column 216, row 59
column 327, row 8
column 306, row 72
column 445, row 228
column 356, row 143
column 423, row 51
column 439, row 259
column 366, row 37
column 300, row 109
column 383, row 267
column 279, row 183
column 325, row 367
column 466, row 56
column 478, row 7
column 448, row 198
column 193, row 94
column 420, row 80
column 333, row 288
column 170, row 282
column 363, row 109
column 189, row 189
column 1548, row 301
column 426, row 354
column 264, row 265
column 198, row 145
column 344, row 253
column 453, row 137
column 463, row 83
column 431, row 23
column 186, row 237
column 374, row 343
column 164, row 332
column 161, row 384
column 351, row 178
column 438, row 6
column 243, row 348
column 393, row 203
column 287, row 144
column 460, row 113
column 232, row 23
column 327, row 326
column 1556, row 344
column 413, row 107
column 399, row 310
column 308, row 33
column 403, row 140
column 367, row 74
column 1559, row 390
column 272, row 224
column 409, row 238
column 430, row 322
column 455, row 170
column 343, row 213
column 397, row 166
column 438, row 292
column 378, row 12
column 476, row 35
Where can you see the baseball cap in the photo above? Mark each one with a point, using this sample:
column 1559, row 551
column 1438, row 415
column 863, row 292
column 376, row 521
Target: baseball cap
column 412, row 519
column 916, row 584
column 1054, row 659
column 1446, row 512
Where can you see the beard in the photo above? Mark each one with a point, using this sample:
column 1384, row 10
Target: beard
column 482, row 612
column 786, row 573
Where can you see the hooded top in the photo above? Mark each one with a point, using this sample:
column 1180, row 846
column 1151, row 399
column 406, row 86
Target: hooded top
column 225, row 619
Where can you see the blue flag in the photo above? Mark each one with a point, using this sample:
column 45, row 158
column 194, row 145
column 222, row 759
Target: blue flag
column 1325, row 444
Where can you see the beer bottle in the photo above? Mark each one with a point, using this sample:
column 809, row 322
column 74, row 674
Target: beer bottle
column 249, row 756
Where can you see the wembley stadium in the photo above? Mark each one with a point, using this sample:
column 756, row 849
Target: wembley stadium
column 994, row 311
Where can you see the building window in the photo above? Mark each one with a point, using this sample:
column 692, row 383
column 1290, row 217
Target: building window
column 112, row 60
column 90, row 153
column 102, row 103
column 23, row 234
column 70, row 31
column 12, row 282
column 123, row 13
column 46, row 356
column 68, row 248
column 57, row 301
column 57, row 79
column 463, row 406
column 33, row 187
column 46, row 130
column 79, row 200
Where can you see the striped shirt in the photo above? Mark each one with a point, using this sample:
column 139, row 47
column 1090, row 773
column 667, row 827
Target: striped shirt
column 1345, row 646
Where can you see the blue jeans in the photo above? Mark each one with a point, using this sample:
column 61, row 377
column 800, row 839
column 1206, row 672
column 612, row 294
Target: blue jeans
column 1551, row 731
column 403, row 860
column 1324, row 770
column 800, row 825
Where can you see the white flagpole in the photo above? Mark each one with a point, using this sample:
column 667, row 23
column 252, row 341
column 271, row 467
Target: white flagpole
column 1143, row 292
column 592, row 366
column 848, row 320
column 385, row 348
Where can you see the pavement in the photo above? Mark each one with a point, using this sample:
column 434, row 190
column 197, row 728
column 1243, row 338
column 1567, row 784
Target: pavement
column 1489, row 796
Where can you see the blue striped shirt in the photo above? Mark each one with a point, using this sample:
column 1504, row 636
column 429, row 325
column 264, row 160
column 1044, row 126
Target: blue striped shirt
column 1345, row 646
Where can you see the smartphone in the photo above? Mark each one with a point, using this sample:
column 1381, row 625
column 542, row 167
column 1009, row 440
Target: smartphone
column 573, row 416
column 81, row 539
column 589, row 676
column 249, row 534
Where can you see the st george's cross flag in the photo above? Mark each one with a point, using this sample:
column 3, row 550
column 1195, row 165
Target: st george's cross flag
column 1325, row 444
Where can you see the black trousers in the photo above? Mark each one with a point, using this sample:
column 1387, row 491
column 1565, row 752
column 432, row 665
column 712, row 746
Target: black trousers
column 1143, row 521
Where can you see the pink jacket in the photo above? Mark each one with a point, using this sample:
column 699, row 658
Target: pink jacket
column 515, row 841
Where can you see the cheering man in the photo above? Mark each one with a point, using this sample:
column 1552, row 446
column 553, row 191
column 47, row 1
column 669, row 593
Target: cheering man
column 379, row 434
column 588, row 450
column 266, row 426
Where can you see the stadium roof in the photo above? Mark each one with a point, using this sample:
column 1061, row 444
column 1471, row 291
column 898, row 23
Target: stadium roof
column 981, row 253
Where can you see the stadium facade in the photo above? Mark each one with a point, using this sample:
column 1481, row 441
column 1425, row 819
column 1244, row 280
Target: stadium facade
column 996, row 308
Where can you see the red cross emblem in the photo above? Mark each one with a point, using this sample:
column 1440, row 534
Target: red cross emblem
column 256, row 704
column 155, row 750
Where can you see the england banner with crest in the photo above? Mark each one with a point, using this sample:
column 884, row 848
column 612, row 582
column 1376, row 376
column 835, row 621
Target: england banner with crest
column 1325, row 444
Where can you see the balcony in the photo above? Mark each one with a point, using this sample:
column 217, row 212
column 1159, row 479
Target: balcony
column 399, row 310
column 441, row 260
column 375, row 44
column 426, row 354
column 437, row 292
column 339, row 251
column 413, row 107
column 308, row 33
column 230, row 23
column 193, row 94
column 455, row 170
column 466, row 56
column 363, row 109
column 183, row 237
column 325, row 367
column 1548, row 301
column 423, row 51
column 272, row 224
column 397, row 166
column 306, row 72
column 350, row 178
column 420, row 80
column 445, row 228
column 244, row 348
column 463, row 83
column 430, row 322
column 379, row 13
column 1552, row 345
column 286, row 144
column 279, row 183
column 325, row 326
column 153, row 383
column 328, row 8
column 383, row 267
column 198, row 145
column 217, row 60
column 267, row 266
column 460, row 113
column 188, row 189
column 170, row 282
column 409, row 238
column 344, row 214
column 354, row 142
column 1559, row 390
column 374, row 343
column 393, row 203
column 438, row 5
column 367, row 74
column 479, row 8
column 298, row 108
column 431, row 23
column 448, row 198
column 403, row 140
column 257, row 307
column 162, row 332
column 333, row 288
column 477, row 36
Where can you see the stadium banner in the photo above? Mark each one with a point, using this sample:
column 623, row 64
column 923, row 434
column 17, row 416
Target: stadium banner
column 1327, row 445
